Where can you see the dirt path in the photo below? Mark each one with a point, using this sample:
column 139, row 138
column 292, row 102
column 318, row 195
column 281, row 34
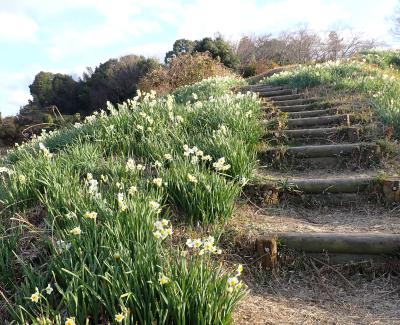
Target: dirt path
column 307, row 297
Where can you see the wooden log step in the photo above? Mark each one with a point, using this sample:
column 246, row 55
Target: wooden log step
column 300, row 108
column 319, row 151
column 331, row 248
column 337, row 190
column 313, row 113
column 270, row 93
column 277, row 99
column 256, row 88
column 343, row 119
column 391, row 189
column 317, row 136
column 350, row 184
column 293, row 102
column 342, row 243
column 351, row 132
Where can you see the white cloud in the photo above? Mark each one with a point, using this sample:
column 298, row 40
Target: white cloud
column 19, row 97
column 122, row 23
column 156, row 50
column 17, row 27
column 16, row 97
column 14, row 91
column 237, row 17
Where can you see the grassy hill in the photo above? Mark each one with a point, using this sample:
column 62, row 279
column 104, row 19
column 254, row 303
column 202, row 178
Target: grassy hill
column 375, row 75
column 89, row 213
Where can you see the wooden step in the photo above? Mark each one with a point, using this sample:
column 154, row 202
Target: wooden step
column 351, row 131
column 342, row 190
column 313, row 113
column 327, row 135
column 337, row 248
column 319, row 151
column 293, row 102
column 346, row 243
column 300, row 108
column 271, row 93
column 255, row 88
column 276, row 99
column 343, row 119
column 348, row 184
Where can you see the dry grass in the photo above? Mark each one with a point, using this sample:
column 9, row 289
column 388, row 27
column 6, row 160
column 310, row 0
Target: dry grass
column 353, row 218
column 308, row 296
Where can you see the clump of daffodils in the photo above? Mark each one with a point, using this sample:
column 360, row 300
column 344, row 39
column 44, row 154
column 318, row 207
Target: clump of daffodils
column 22, row 179
column 154, row 205
column 75, row 231
column 162, row 229
column 122, row 206
column 168, row 157
column 170, row 102
column 207, row 245
column 45, row 151
column 163, row 280
column 132, row 166
column 70, row 321
column 49, row 289
column 35, row 297
column 221, row 131
column 119, row 317
column 157, row 181
column 132, row 190
column 178, row 119
column 220, row 165
column 192, row 178
column 157, row 164
column 92, row 185
column 91, row 215
column 234, row 282
column 195, row 154
column 192, row 151
column 206, row 158
column 62, row 245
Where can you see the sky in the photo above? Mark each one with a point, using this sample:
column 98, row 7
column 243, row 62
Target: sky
column 66, row 36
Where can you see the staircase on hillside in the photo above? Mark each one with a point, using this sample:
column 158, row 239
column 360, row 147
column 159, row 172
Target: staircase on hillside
column 314, row 138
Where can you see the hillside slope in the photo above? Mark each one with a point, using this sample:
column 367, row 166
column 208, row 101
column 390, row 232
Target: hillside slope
column 89, row 213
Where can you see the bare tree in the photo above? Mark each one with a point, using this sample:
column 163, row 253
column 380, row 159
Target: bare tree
column 300, row 46
column 246, row 50
column 396, row 22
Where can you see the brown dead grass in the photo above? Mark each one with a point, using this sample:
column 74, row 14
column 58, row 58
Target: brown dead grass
column 353, row 218
column 309, row 297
